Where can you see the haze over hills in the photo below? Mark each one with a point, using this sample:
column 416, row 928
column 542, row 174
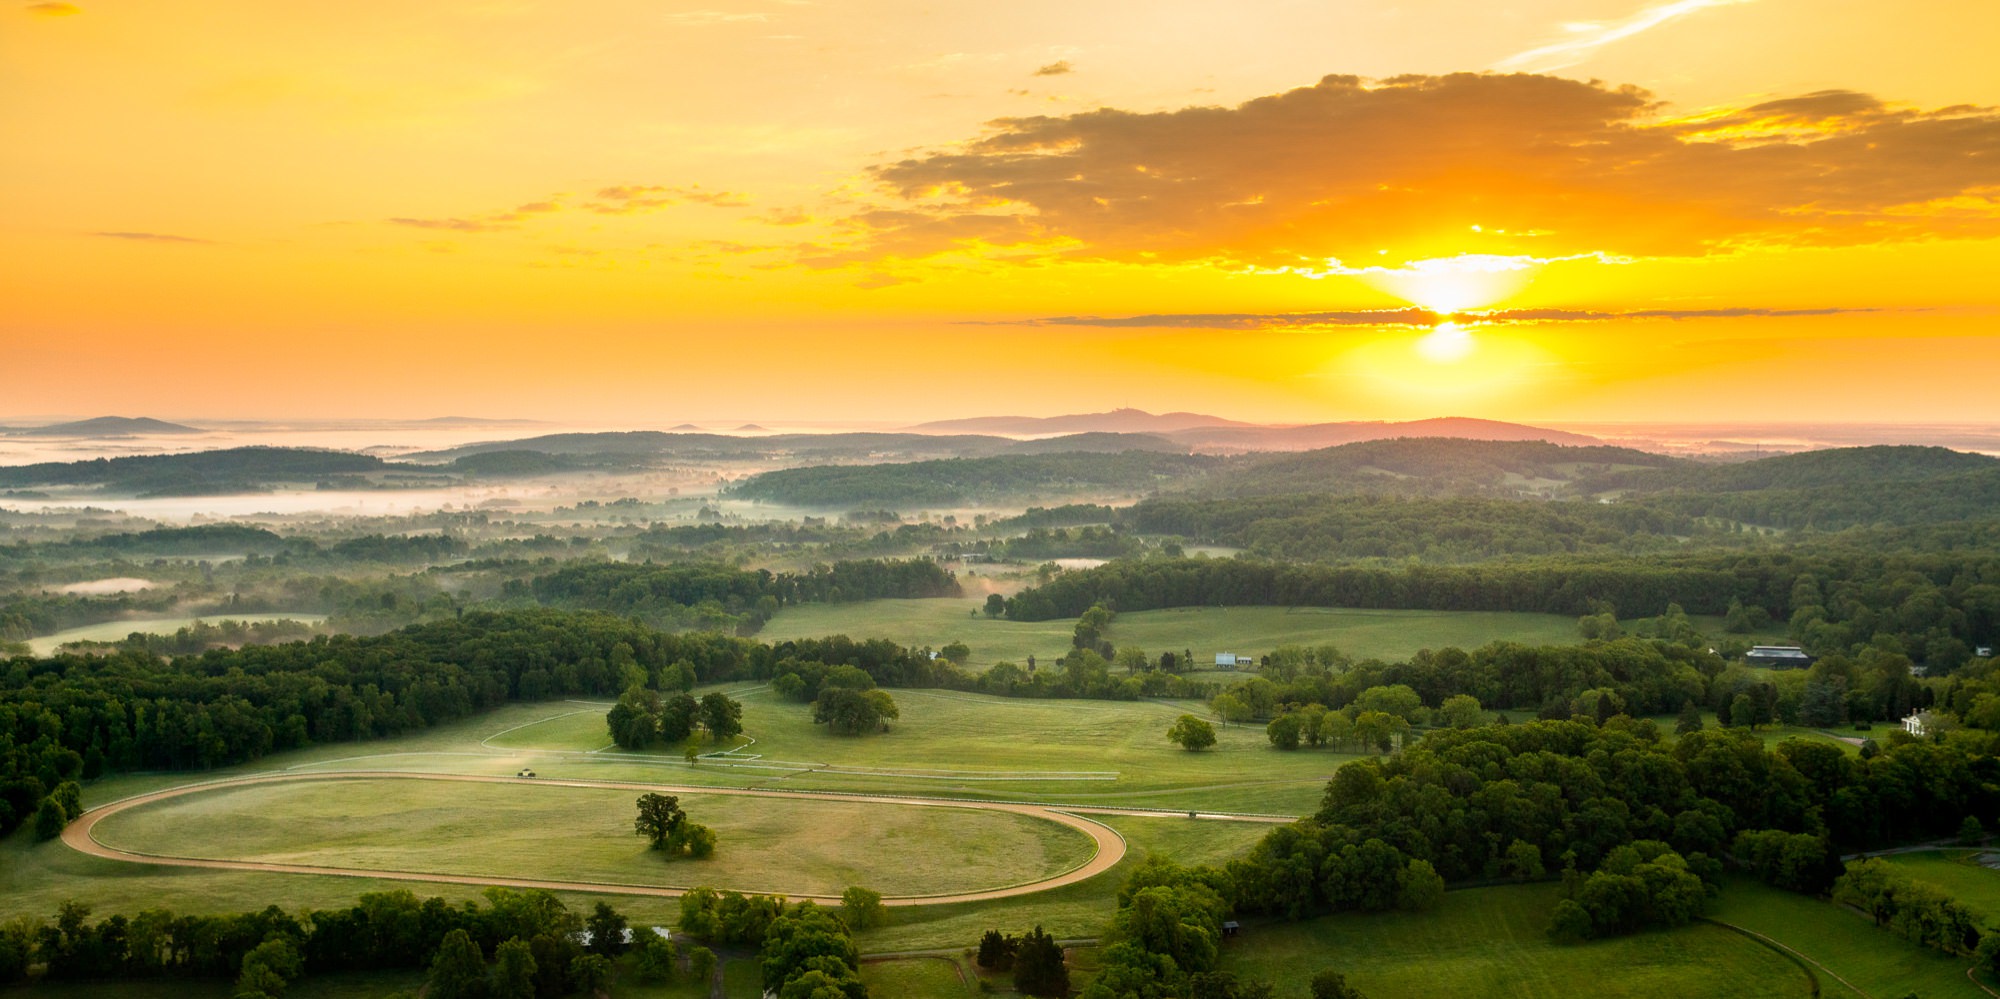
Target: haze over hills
column 1115, row 421
column 107, row 426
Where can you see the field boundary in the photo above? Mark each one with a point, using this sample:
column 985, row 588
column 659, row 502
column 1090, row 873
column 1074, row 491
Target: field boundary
column 1805, row 964
column 1109, row 845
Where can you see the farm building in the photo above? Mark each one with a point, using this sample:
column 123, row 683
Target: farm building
column 1778, row 656
column 1231, row 660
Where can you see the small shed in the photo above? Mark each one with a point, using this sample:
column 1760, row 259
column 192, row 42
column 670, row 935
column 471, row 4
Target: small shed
column 1231, row 927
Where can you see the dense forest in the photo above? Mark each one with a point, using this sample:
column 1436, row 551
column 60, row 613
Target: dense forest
column 1935, row 607
column 957, row 481
column 718, row 596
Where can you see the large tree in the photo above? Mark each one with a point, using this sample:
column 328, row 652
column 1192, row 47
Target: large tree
column 721, row 716
column 1191, row 733
column 660, row 816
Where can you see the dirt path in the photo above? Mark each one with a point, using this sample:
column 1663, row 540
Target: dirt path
column 1110, row 846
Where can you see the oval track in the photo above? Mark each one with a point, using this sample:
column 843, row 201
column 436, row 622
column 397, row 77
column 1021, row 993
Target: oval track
column 78, row 836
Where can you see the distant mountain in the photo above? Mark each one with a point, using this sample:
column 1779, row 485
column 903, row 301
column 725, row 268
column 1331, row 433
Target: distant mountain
column 1243, row 437
column 475, row 421
column 109, row 426
column 1123, row 421
column 798, row 449
column 202, row 473
column 1432, row 466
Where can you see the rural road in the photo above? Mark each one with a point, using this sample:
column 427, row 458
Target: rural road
column 1110, row 846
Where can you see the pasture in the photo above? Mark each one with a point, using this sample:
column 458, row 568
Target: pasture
column 539, row 830
column 974, row 745
column 118, row 631
column 1362, row 634
column 1490, row 942
column 1958, row 873
column 1875, row 961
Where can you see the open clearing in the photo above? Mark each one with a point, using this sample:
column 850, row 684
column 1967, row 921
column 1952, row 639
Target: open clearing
column 805, row 853
column 1958, row 873
column 530, row 829
column 975, row 745
column 1362, row 634
column 118, row 631
column 1876, row 961
column 1490, row 942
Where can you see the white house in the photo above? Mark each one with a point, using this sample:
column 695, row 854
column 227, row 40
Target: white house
column 1918, row 723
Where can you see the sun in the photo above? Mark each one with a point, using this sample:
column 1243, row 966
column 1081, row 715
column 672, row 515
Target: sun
column 1449, row 343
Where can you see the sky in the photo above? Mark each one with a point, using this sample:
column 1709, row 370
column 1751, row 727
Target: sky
column 641, row 213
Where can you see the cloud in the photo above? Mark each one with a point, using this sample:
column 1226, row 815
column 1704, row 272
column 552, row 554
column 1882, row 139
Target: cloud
column 453, row 225
column 153, row 237
column 1427, row 166
column 1411, row 317
column 631, row 198
column 54, row 9
column 1586, row 39
column 1057, row 68
column 705, row 17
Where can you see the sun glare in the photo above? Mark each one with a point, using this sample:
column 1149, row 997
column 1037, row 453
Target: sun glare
column 1454, row 284
column 1448, row 344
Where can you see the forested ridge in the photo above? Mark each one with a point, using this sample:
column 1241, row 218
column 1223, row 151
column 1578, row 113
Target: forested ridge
column 967, row 480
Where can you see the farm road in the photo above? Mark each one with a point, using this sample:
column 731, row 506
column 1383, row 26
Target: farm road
column 1110, row 846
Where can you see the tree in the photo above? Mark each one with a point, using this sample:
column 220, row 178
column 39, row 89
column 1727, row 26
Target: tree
column 514, row 970
column 1038, row 966
column 1191, row 733
column 1285, row 731
column 589, row 973
column 996, row 605
column 1461, row 711
column 863, row 909
column 847, row 711
column 1569, row 923
column 1232, row 708
column 1133, row 658
column 955, row 653
column 49, row 819
column 721, row 716
column 656, row 961
column 267, row 969
column 660, row 816
column 1330, row 984
column 1972, row 832
column 691, row 840
column 701, row 963
column 1743, row 711
column 1690, row 719
column 607, row 930
column 805, row 940
column 459, row 969
column 1420, row 889
column 996, row 951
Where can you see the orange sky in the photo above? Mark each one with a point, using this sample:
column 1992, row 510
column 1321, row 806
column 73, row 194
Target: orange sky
column 623, row 210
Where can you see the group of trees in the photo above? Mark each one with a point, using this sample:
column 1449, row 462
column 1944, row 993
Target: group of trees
column 721, row 597
column 1934, row 607
column 1034, row 959
column 668, row 830
column 805, row 951
column 537, row 943
column 643, row 719
column 955, row 481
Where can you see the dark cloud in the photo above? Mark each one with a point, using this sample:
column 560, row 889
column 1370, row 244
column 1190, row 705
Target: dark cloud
column 152, row 237
column 1347, row 167
column 1412, row 317
column 1057, row 68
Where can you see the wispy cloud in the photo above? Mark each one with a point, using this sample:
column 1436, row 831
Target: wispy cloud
column 54, row 9
column 1589, row 37
column 705, row 17
column 453, row 225
column 1057, row 68
column 153, row 237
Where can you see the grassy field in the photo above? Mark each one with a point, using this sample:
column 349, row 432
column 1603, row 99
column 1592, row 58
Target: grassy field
column 1079, row 910
column 1879, row 963
column 973, row 745
column 1490, row 942
column 116, row 631
column 1204, row 630
column 585, row 834
column 915, row 978
column 1956, row 872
